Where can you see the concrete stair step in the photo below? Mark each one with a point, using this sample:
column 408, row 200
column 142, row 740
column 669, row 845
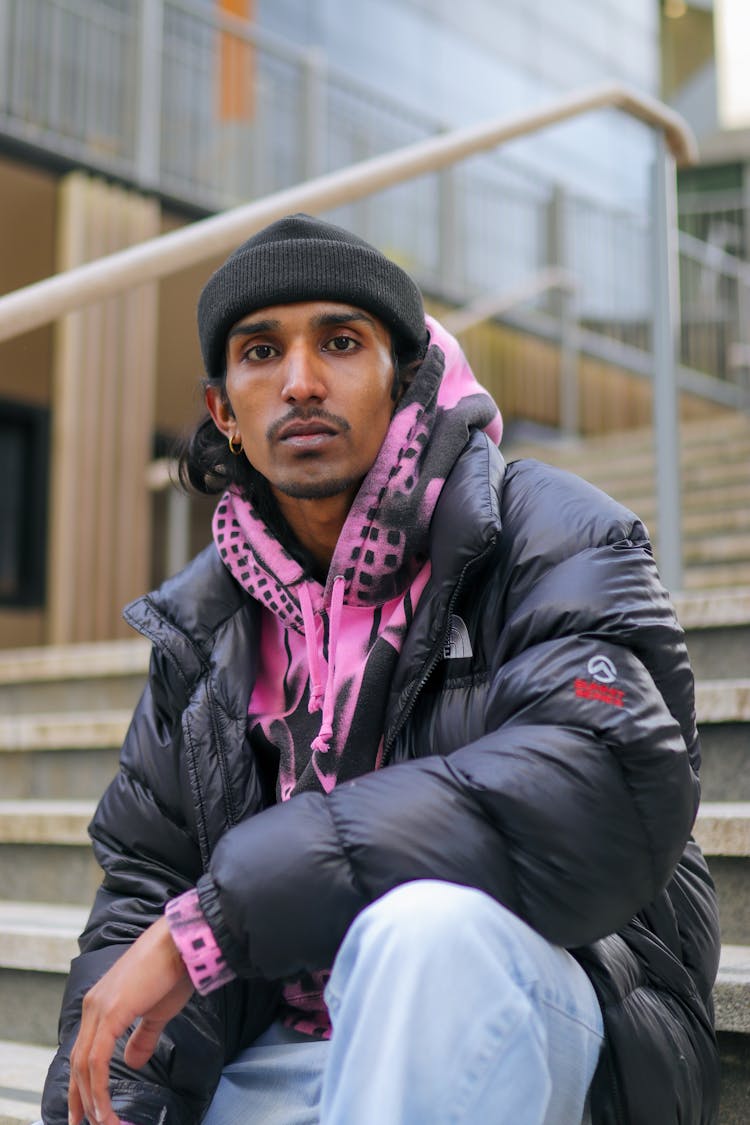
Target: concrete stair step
column 699, row 437
column 698, row 504
column 723, row 829
column 718, row 632
column 23, row 1069
column 698, row 611
column 727, row 461
column 69, row 754
column 712, row 549
column 622, row 455
column 732, row 1004
column 45, row 852
column 723, row 708
column 720, row 576
column 62, row 823
column 707, row 551
column 85, row 730
column 723, row 832
column 723, row 700
column 37, row 944
column 40, row 936
column 715, row 520
column 732, row 991
column 105, row 676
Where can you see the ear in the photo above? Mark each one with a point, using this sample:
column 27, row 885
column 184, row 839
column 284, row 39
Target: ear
column 220, row 409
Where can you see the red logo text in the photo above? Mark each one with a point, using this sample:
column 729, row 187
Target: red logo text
column 588, row 689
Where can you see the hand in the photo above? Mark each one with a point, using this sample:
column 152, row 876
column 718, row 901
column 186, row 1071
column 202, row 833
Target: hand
column 149, row 980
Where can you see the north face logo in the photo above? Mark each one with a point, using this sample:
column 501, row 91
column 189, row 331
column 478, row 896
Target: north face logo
column 458, row 645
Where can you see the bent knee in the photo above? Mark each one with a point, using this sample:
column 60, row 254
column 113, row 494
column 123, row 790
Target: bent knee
column 428, row 910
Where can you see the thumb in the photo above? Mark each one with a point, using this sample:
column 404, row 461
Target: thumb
column 142, row 1043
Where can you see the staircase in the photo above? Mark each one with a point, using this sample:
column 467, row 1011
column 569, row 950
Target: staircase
column 63, row 715
column 64, row 712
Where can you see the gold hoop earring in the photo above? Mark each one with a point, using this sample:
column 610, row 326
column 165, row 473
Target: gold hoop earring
column 235, row 450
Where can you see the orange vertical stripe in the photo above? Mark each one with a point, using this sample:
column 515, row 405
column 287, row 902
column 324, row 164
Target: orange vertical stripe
column 236, row 66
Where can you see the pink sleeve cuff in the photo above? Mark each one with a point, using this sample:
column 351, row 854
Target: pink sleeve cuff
column 196, row 944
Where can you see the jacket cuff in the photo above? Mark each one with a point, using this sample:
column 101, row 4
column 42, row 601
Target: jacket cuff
column 196, row 944
column 208, row 898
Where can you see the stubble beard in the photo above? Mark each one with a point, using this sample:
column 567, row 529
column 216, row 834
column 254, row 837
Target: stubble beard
column 318, row 490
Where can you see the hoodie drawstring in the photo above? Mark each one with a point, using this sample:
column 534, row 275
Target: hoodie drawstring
column 314, row 649
column 320, row 697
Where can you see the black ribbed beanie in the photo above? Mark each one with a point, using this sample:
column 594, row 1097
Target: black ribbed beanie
column 301, row 258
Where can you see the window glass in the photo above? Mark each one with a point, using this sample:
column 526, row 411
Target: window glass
column 23, row 503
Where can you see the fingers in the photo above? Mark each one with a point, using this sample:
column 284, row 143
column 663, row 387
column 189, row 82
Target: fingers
column 75, row 1105
column 88, row 1093
column 149, row 980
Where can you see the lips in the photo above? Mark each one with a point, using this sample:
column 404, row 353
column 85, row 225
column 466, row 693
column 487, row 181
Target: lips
column 303, row 431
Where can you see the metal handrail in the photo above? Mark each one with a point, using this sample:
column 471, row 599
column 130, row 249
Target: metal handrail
column 494, row 305
column 165, row 254
column 714, row 257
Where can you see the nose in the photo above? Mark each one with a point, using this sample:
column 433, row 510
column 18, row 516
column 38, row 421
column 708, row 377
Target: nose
column 303, row 375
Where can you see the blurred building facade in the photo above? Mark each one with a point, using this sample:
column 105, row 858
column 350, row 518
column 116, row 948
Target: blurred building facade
column 705, row 77
column 120, row 119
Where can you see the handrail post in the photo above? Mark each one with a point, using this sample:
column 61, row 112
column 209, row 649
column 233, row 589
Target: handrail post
column 665, row 274
column 148, row 121
column 564, row 304
column 570, row 405
column 313, row 114
column 178, row 530
column 451, row 256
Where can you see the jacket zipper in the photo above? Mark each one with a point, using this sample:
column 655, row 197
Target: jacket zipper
column 226, row 793
column 434, row 658
column 205, row 671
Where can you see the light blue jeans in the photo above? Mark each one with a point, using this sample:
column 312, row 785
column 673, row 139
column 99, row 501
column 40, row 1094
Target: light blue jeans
column 447, row 1010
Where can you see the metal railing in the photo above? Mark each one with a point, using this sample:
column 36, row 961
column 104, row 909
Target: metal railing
column 208, row 110
column 46, row 300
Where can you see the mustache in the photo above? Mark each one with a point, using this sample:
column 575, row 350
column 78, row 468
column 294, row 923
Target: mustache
column 297, row 415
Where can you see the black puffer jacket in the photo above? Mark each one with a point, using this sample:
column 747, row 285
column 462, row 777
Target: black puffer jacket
column 512, row 767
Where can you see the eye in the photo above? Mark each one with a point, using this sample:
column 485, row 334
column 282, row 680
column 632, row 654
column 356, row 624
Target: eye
column 258, row 352
column 342, row 343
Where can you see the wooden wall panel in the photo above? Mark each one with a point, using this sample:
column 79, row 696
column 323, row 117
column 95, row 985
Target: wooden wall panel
column 103, row 418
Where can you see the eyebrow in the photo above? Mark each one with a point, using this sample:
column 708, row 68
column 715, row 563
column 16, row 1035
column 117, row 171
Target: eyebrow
column 323, row 320
column 250, row 327
column 333, row 319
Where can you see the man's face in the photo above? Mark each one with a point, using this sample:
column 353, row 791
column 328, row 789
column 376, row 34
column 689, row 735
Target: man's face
column 308, row 391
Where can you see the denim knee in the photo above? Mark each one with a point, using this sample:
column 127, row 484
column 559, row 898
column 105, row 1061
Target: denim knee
column 429, row 912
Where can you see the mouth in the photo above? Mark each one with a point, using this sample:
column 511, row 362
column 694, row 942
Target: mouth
column 305, row 435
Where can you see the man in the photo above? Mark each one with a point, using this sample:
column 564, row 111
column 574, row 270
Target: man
column 402, row 825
